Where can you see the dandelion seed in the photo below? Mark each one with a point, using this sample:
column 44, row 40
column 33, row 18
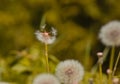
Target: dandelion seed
column 54, row 32
column 110, row 34
column 46, row 79
column 46, row 37
column 43, row 26
column 70, row 72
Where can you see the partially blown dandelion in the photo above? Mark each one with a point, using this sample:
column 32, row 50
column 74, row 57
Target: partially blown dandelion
column 46, row 37
column 110, row 34
column 70, row 72
column 46, row 79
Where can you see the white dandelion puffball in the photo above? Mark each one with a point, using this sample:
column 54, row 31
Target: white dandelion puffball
column 110, row 34
column 45, row 37
column 46, row 79
column 70, row 72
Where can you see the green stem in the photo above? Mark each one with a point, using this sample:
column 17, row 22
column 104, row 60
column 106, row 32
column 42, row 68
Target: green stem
column 105, row 53
column 43, row 20
column 100, row 72
column 111, row 65
column 46, row 58
column 87, row 54
column 1, row 70
column 116, row 63
column 0, row 76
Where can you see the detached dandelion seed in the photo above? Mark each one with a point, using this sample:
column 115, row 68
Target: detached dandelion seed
column 46, row 79
column 69, row 72
column 54, row 32
column 43, row 26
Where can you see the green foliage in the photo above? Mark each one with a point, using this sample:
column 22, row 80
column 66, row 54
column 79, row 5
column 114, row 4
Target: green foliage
column 21, row 66
column 77, row 22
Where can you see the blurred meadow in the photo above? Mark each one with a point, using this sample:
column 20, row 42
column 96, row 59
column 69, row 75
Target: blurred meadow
column 77, row 23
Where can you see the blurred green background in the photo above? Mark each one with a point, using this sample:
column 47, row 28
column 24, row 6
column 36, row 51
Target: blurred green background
column 77, row 23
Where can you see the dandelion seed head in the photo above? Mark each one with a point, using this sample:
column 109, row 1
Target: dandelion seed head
column 46, row 79
column 69, row 72
column 110, row 34
column 45, row 37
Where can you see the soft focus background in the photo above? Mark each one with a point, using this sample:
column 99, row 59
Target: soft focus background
column 77, row 23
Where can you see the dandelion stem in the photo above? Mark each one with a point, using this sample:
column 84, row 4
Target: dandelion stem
column 43, row 20
column 100, row 72
column 46, row 57
column 0, row 75
column 112, row 58
column 111, row 65
column 116, row 63
column 0, row 70
column 87, row 54
column 105, row 53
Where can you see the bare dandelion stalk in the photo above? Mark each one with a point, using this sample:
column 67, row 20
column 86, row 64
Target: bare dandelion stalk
column 116, row 63
column 105, row 53
column 100, row 62
column 111, row 64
